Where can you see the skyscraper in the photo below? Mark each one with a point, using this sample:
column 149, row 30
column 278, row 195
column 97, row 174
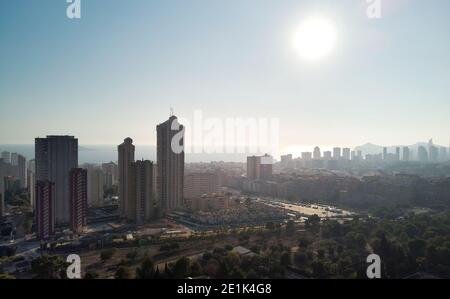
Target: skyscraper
column 266, row 168
column 170, row 159
column 406, row 154
column 2, row 186
column 45, row 213
column 111, row 172
column 346, row 154
column 385, row 153
column 96, row 182
column 286, row 161
column 337, row 153
column 6, row 156
column 317, row 155
column 21, row 170
column 253, row 167
column 422, row 154
column 14, row 159
column 2, row 204
column 397, row 154
column 260, row 167
column 443, row 154
column 78, row 200
column 126, row 156
column 142, row 205
column 31, row 186
column 55, row 157
column 434, row 153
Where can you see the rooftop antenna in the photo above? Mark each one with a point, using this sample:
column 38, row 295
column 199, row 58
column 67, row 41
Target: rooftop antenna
column 171, row 112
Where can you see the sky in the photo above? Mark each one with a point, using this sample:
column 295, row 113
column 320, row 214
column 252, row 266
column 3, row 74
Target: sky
column 118, row 70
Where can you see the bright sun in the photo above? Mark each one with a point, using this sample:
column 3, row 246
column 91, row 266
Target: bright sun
column 315, row 38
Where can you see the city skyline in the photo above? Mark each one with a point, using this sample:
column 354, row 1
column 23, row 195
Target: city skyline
column 216, row 56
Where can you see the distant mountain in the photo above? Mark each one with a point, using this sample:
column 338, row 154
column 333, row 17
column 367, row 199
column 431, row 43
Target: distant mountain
column 373, row 149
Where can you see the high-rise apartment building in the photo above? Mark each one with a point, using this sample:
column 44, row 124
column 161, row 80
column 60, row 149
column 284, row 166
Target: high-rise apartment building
column 385, row 153
column 307, row 156
column 443, row 154
column 266, row 168
column 259, row 167
column 253, row 167
column 55, row 157
column 111, row 173
column 31, row 186
column 337, row 153
column 45, row 213
column 142, row 205
column 6, row 156
column 20, row 170
column 327, row 155
column 170, row 159
column 126, row 156
column 78, row 200
column 406, row 154
column 199, row 183
column 96, row 183
column 434, row 153
column 2, row 205
column 317, row 154
column 397, row 154
column 287, row 161
column 3, row 170
column 346, row 154
column 422, row 154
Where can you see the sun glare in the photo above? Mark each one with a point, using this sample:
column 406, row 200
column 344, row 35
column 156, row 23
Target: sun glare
column 315, row 38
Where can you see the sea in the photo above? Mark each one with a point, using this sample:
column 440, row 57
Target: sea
column 97, row 154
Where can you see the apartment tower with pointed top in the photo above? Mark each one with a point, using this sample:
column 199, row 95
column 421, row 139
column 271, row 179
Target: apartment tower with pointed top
column 170, row 164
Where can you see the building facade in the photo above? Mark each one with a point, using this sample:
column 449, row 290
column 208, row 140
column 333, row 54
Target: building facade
column 78, row 200
column 45, row 213
column 55, row 157
column 199, row 183
column 142, row 205
column 170, row 159
column 126, row 156
column 96, row 183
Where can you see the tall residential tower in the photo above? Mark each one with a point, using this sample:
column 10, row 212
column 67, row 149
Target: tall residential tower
column 170, row 163
column 56, row 156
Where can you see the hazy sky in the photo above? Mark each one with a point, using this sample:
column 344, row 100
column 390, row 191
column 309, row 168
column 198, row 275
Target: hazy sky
column 117, row 71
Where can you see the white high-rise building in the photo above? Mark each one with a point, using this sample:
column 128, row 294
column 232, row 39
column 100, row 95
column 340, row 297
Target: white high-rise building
column 55, row 157
column 317, row 155
column 337, row 153
column 126, row 156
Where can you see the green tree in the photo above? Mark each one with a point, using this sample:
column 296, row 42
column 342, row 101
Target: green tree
column 181, row 268
column 145, row 271
column 49, row 267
